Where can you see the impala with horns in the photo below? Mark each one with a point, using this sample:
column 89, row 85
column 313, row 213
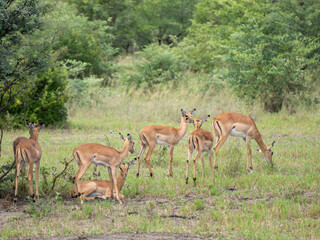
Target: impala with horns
column 201, row 140
column 28, row 151
column 92, row 189
column 237, row 125
column 89, row 153
column 153, row 135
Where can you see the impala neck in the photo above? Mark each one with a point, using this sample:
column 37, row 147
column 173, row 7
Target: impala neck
column 183, row 128
column 124, row 152
column 261, row 144
column 120, row 181
column 34, row 135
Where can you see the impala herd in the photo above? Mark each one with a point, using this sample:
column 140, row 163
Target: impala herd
column 28, row 151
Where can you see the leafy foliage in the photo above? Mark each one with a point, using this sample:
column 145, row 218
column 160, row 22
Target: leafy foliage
column 265, row 50
column 157, row 64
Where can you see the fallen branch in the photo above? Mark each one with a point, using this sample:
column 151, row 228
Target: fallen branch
column 66, row 164
column 6, row 173
column 177, row 216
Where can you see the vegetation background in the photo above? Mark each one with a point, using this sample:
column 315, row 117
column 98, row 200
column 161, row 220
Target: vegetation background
column 90, row 69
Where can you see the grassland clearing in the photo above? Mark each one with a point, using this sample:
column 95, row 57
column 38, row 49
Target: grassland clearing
column 282, row 202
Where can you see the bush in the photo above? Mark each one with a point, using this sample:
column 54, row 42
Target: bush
column 44, row 102
column 155, row 65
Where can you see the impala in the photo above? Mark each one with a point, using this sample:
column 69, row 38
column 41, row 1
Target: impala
column 237, row 125
column 28, row 151
column 152, row 135
column 20, row 139
column 201, row 140
column 102, row 189
column 89, row 153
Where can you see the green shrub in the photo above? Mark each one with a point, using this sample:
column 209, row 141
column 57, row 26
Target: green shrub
column 155, row 65
column 43, row 102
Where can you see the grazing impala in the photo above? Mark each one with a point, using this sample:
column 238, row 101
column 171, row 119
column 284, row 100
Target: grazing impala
column 237, row 125
column 89, row 153
column 152, row 135
column 28, row 151
column 102, row 189
column 201, row 140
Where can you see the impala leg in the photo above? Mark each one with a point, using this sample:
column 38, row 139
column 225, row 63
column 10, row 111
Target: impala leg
column 190, row 151
column 111, row 182
column 210, row 160
column 79, row 174
column 147, row 158
column 114, row 175
column 195, row 166
column 143, row 148
column 249, row 155
column 202, row 164
column 219, row 144
column 37, row 178
column 30, row 180
column 170, row 173
column 17, row 181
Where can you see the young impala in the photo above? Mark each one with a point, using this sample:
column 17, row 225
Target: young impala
column 201, row 140
column 102, row 188
column 89, row 153
column 152, row 135
column 237, row 125
column 28, row 151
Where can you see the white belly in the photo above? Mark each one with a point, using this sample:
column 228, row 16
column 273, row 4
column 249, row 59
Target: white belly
column 162, row 143
column 238, row 134
column 100, row 163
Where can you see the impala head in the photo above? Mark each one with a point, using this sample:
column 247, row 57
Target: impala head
column 198, row 123
column 34, row 128
column 268, row 154
column 124, row 167
column 130, row 141
column 187, row 115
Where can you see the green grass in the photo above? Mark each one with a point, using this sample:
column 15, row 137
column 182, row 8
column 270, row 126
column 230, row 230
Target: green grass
column 269, row 203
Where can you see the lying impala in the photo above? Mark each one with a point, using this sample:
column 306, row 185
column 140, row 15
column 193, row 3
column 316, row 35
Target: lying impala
column 152, row 135
column 89, row 153
column 201, row 140
column 102, row 189
column 28, row 151
column 237, row 125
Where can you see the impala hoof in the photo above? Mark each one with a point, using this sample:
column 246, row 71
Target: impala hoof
column 151, row 175
column 137, row 174
column 215, row 167
column 187, row 180
column 194, row 180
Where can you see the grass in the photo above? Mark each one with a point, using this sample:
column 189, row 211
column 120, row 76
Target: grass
column 269, row 203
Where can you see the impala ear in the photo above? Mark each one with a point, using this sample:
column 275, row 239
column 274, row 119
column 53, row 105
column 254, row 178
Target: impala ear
column 132, row 162
column 271, row 146
column 129, row 138
column 205, row 118
column 192, row 111
column 121, row 169
column 183, row 112
column 121, row 137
